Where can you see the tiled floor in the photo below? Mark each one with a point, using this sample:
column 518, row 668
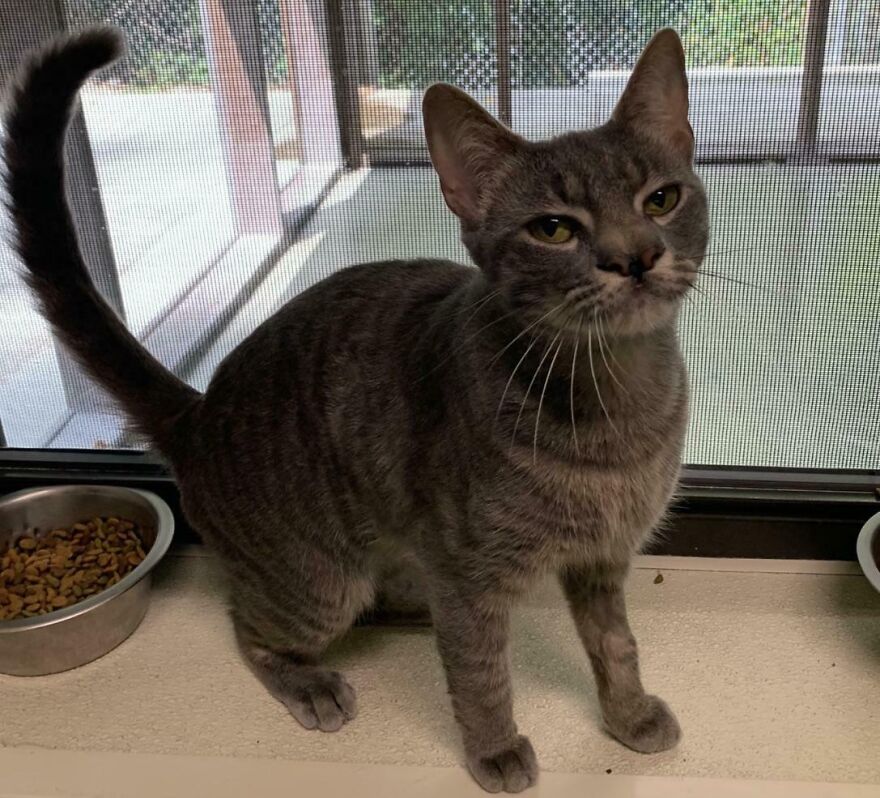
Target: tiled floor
column 771, row 674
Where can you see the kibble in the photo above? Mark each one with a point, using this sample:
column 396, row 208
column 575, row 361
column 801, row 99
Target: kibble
column 42, row 573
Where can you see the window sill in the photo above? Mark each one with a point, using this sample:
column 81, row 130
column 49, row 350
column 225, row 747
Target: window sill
column 768, row 665
column 36, row 774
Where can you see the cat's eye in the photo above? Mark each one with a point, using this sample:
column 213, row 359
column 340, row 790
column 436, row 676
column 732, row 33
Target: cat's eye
column 662, row 201
column 552, row 229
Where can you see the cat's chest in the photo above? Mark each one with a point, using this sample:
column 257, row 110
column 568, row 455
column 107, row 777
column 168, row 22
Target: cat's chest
column 557, row 512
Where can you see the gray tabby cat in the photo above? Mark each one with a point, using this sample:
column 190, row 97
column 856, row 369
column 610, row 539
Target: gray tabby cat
column 463, row 430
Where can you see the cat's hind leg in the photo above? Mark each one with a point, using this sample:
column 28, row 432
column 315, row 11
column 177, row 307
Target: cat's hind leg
column 317, row 697
column 283, row 647
column 401, row 592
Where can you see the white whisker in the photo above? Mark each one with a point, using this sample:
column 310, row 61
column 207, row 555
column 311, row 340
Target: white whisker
column 476, row 306
column 529, row 327
column 610, row 350
column 462, row 344
column 512, row 375
column 522, row 406
column 600, row 337
column 541, row 401
column 595, row 382
column 574, row 356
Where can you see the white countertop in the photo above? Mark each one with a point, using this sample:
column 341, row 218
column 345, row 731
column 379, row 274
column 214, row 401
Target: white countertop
column 773, row 676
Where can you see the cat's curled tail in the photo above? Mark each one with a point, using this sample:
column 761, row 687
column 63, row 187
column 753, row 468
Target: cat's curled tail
column 40, row 104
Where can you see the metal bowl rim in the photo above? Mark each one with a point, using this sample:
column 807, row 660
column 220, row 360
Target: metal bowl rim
column 164, row 534
column 864, row 549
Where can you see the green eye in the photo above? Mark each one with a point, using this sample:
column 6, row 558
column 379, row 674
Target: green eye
column 662, row 201
column 552, row 229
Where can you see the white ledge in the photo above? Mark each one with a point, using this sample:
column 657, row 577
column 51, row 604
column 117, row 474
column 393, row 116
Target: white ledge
column 771, row 674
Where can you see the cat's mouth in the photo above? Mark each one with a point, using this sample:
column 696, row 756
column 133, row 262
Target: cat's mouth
column 656, row 288
column 668, row 284
column 642, row 307
column 634, row 307
column 627, row 306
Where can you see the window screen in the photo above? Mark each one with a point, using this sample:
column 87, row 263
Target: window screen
column 244, row 150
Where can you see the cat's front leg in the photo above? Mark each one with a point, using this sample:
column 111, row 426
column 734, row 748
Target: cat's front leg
column 472, row 633
column 640, row 721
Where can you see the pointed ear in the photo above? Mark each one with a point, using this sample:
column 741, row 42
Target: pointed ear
column 655, row 100
column 468, row 148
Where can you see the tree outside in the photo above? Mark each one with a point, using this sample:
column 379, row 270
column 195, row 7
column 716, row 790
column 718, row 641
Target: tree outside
column 555, row 43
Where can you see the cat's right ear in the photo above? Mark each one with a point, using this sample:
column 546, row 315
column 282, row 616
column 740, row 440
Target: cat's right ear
column 468, row 148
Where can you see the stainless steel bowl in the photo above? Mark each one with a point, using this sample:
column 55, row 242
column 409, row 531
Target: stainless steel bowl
column 868, row 550
column 78, row 634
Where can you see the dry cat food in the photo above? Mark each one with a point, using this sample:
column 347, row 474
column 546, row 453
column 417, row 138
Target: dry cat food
column 39, row 574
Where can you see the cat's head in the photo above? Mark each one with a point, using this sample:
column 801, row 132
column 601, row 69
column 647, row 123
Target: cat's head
column 607, row 224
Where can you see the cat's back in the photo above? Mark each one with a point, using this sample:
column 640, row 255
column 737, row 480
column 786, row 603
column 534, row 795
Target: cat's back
column 295, row 401
column 350, row 326
column 357, row 302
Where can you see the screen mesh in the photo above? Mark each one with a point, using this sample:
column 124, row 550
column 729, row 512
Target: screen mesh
column 244, row 150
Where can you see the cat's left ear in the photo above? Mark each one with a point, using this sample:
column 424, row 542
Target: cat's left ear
column 655, row 101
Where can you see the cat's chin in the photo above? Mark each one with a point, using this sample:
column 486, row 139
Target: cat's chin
column 642, row 316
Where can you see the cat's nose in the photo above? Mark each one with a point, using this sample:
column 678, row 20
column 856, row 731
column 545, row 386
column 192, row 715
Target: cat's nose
column 633, row 266
column 644, row 262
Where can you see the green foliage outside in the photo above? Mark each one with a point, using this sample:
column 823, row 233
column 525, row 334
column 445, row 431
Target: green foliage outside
column 163, row 37
column 555, row 43
column 736, row 33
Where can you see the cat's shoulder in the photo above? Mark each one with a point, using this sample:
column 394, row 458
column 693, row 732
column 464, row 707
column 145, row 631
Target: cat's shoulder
column 389, row 281
column 382, row 272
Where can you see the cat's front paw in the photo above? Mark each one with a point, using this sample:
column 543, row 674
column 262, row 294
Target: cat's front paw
column 646, row 725
column 511, row 770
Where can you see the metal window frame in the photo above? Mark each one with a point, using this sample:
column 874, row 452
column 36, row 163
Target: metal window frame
column 502, row 57
column 851, row 486
column 815, row 42
column 349, row 62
